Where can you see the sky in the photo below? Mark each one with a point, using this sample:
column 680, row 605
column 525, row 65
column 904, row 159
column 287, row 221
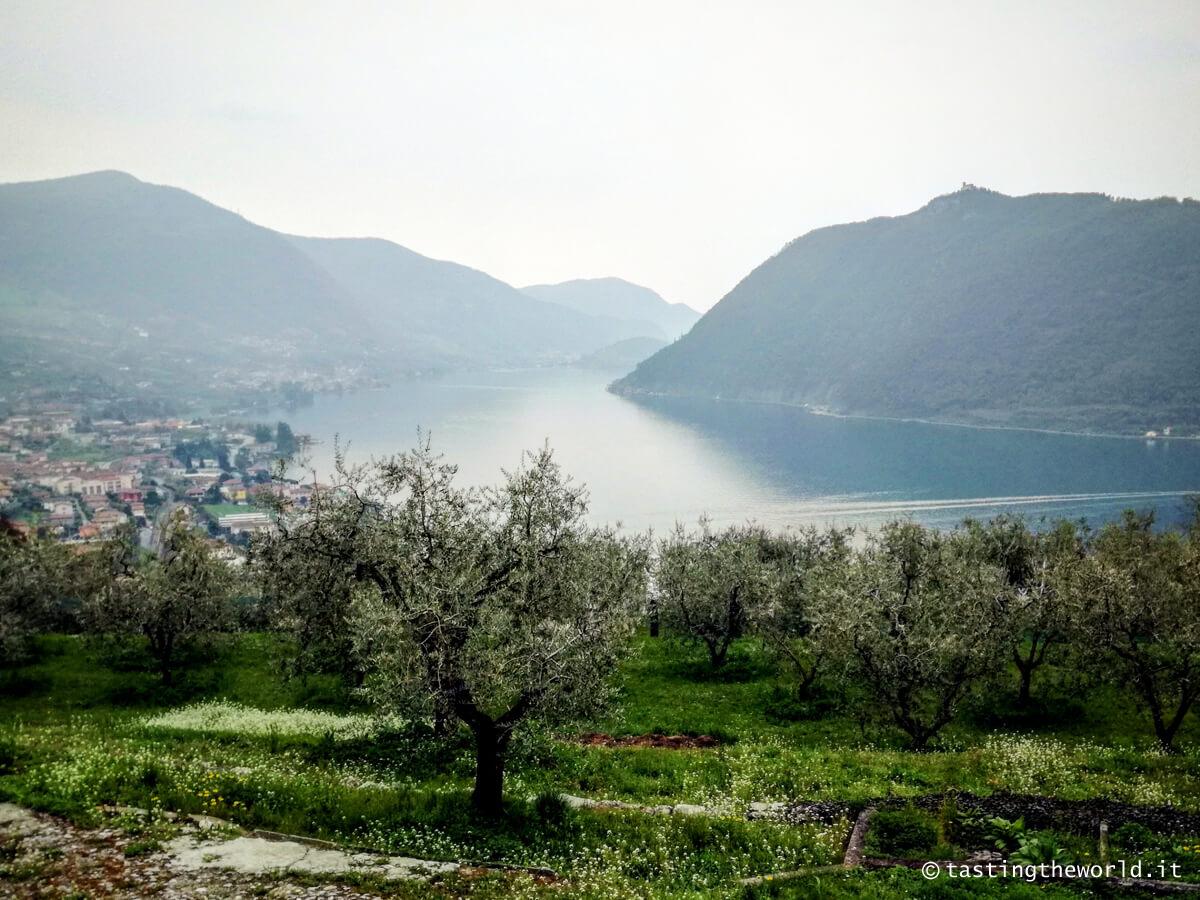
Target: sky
column 677, row 145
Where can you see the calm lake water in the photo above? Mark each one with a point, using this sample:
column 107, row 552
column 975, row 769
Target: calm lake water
column 648, row 463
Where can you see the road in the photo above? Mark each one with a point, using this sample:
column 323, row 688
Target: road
column 151, row 536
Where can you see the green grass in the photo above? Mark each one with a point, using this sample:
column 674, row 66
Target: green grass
column 901, row 884
column 74, row 733
column 65, row 448
column 216, row 510
column 903, row 833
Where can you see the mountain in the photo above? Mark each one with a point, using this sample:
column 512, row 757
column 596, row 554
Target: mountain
column 620, row 299
column 463, row 315
column 1073, row 311
column 107, row 280
column 621, row 356
column 147, row 288
column 115, row 250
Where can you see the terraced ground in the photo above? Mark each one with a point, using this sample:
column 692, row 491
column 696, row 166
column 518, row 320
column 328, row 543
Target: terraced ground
column 721, row 780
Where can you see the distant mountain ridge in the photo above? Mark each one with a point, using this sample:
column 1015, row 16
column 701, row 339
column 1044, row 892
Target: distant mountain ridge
column 623, row 300
column 105, row 275
column 137, row 250
column 1072, row 311
column 108, row 282
column 462, row 315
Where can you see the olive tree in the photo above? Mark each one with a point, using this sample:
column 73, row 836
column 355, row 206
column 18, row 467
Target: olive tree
column 1136, row 606
column 914, row 618
column 784, row 620
column 497, row 606
column 174, row 599
column 42, row 583
column 707, row 582
column 31, row 574
column 308, row 598
column 1037, row 568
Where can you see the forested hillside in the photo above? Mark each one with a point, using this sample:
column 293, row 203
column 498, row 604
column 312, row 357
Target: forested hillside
column 1052, row 310
column 443, row 310
column 107, row 278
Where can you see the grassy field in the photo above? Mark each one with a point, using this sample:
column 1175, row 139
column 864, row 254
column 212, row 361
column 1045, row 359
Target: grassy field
column 233, row 739
column 216, row 510
column 65, row 448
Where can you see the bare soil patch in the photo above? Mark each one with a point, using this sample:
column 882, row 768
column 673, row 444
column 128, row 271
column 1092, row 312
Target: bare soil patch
column 660, row 741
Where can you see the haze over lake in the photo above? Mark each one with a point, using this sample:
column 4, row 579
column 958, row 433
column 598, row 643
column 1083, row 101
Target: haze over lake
column 650, row 462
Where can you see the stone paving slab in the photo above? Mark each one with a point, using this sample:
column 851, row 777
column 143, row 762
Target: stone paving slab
column 257, row 855
column 46, row 856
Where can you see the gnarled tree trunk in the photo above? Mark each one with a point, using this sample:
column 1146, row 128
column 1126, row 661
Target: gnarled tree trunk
column 491, row 750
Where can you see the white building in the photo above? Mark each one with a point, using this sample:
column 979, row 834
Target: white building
column 100, row 483
column 239, row 523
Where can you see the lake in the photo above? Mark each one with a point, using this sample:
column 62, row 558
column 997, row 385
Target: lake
column 650, row 462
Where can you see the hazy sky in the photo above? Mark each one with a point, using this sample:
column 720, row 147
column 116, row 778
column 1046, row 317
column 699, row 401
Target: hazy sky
column 673, row 144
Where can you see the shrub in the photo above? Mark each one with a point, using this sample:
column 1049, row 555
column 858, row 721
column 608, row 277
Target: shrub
column 1134, row 837
column 1040, row 849
column 551, row 809
column 1004, row 834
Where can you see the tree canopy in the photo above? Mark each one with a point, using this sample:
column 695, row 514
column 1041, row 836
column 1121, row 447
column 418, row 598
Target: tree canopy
column 493, row 606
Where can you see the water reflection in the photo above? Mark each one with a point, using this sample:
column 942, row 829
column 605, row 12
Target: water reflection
column 652, row 461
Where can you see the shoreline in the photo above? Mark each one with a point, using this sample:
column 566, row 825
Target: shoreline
column 904, row 419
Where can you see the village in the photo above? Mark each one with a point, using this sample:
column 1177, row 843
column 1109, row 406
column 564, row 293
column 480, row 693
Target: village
column 66, row 477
